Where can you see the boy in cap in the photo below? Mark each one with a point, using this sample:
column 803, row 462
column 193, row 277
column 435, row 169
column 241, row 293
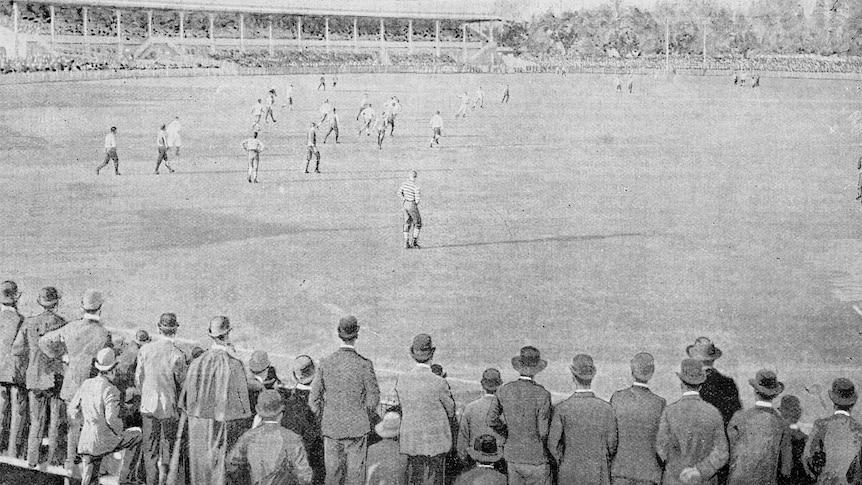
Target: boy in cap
column 691, row 440
column 759, row 438
column 522, row 413
column 345, row 395
column 44, row 375
column 97, row 405
column 474, row 421
column 583, row 435
column 159, row 376
column 638, row 412
column 215, row 399
column 269, row 453
column 13, row 370
column 833, row 448
column 386, row 464
column 77, row 344
column 791, row 410
column 486, row 454
column 427, row 410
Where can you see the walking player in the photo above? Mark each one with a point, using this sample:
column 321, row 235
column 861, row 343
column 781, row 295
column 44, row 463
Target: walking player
column 253, row 146
column 437, row 126
column 174, row 139
column 380, row 127
column 270, row 102
column 409, row 194
column 110, row 152
column 367, row 119
column 312, row 149
column 333, row 126
column 162, row 143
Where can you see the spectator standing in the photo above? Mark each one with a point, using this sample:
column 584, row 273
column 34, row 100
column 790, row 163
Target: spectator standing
column 691, row 439
column 791, row 410
column 386, row 464
column 832, row 453
column 159, row 376
column 427, row 406
column 77, row 343
column 486, row 455
column 344, row 395
column 110, row 152
column 13, row 373
column 97, row 405
column 583, row 434
column 44, row 376
column 758, row 438
column 215, row 399
column 268, row 454
column 299, row 418
column 474, row 421
column 522, row 413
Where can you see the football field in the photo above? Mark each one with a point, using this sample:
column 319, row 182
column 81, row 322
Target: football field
column 573, row 218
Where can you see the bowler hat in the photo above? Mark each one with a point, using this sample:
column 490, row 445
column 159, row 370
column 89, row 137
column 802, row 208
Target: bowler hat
column 703, row 349
column 390, row 426
column 142, row 336
column 168, row 321
column 422, row 349
column 92, row 300
column 106, row 359
column 48, row 296
column 491, row 380
column 437, row 369
column 269, row 404
column 219, row 326
column 303, row 369
column 348, row 328
column 258, row 362
column 843, row 392
column 529, row 362
column 9, row 293
column 643, row 366
column 766, row 382
column 582, row 367
column 691, row 372
column 790, row 408
column 485, row 449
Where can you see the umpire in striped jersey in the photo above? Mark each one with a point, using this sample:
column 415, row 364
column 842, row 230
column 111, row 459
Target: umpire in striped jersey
column 409, row 193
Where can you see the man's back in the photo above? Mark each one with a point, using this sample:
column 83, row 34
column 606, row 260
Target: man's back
column 427, row 406
column 81, row 340
column 584, row 429
column 481, row 475
column 840, row 437
column 525, row 407
column 99, row 403
column 42, row 371
column 12, row 367
column 691, row 433
column 759, row 443
column 270, row 455
column 638, row 411
column 160, row 374
column 216, row 387
column 344, row 392
column 474, row 423
column 721, row 391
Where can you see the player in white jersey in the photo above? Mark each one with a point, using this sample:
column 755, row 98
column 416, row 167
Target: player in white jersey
column 162, row 145
column 270, row 102
column 437, row 127
column 364, row 104
column 394, row 109
column 480, row 98
column 380, row 127
column 174, row 139
column 462, row 110
column 368, row 116
column 325, row 110
column 288, row 94
column 110, row 152
column 253, row 146
column 334, row 124
column 256, row 112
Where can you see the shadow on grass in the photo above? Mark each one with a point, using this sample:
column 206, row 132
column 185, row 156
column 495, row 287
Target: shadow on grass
column 588, row 237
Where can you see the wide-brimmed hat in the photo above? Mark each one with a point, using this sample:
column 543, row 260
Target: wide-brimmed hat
column 106, row 359
column 219, row 326
column 48, row 297
column 691, row 372
column 348, row 328
column 703, row 349
column 303, row 369
column 9, row 293
column 582, row 367
column 843, row 392
column 491, row 380
column 269, row 404
column 258, row 362
column 142, row 336
column 390, row 426
column 168, row 321
column 790, row 408
column 485, row 449
column 643, row 366
column 529, row 362
column 766, row 382
column 92, row 300
column 422, row 348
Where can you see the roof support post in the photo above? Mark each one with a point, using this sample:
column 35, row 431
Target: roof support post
column 410, row 36
column 326, row 32
column 437, row 38
column 212, row 33
column 241, row 32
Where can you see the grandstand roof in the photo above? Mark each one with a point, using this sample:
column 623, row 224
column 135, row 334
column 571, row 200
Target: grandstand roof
column 476, row 10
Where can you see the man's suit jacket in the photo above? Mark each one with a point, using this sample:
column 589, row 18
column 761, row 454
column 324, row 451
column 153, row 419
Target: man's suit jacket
column 638, row 412
column 721, row 391
column 474, row 423
column 481, row 475
column 760, row 448
column 345, row 394
column 43, row 372
column 522, row 413
column 840, row 438
column 81, row 340
column 216, row 387
column 159, row 375
column 798, row 475
column 691, row 434
column 426, row 410
column 97, row 403
column 385, row 464
column 583, row 439
column 13, row 368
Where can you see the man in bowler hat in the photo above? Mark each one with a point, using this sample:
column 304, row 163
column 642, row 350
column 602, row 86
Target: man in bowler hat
column 832, row 453
column 299, row 418
column 13, row 369
column 691, row 439
column 473, row 420
column 583, row 435
column 718, row 389
column 344, row 395
column 522, row 413
column 638, row 412
column 427, row 409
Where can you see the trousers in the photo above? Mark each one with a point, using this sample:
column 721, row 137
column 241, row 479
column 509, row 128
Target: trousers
column 412, row 219
column 158, row 439
column 426, row 470
column 345, row 460
column 46, row 409
column 13, row 417
column 90, row 464
column 209, row 443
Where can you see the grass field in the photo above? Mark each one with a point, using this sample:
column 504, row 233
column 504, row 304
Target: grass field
column 574, row 218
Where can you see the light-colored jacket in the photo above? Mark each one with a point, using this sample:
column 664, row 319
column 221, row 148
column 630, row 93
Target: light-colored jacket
column 12, row 367
column 474, row 423
column 160, row 375
column 427, row 408
column 42, row 371
column 345, row 394
column 97, row 402
column 691, row 434
column 81, row 340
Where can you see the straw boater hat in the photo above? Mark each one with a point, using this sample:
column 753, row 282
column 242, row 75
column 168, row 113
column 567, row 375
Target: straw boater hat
column 582, row 367
column 766, row 383
column 529, row 362
column 422, row 348
column 390, row 426
column 92, row 300
column 691, row 372
column 703, row 349
column 485, row 450
column 9, row 293
column 303, row 369
column 843, row 392
column 269, row 404
column 106, row 360
column 48, row 297
column 348, row 328
column 219, row 326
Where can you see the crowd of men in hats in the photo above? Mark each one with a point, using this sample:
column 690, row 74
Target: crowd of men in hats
column 199, row 416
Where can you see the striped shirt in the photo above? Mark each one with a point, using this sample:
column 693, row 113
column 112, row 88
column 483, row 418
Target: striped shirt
column 409, row 191
column 110, row 141
column 252, row 144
